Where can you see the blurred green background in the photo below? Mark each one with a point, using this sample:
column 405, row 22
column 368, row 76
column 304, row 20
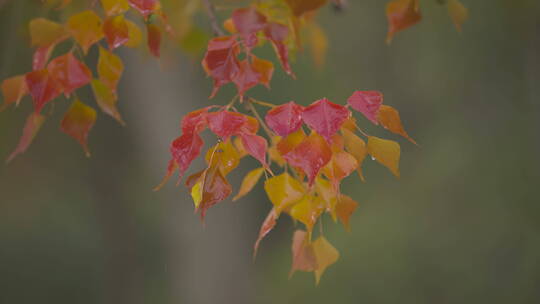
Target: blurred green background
column 461, row 226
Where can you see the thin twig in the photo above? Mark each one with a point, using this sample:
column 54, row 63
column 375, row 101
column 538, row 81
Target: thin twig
column 211, row 12
column 261, row 121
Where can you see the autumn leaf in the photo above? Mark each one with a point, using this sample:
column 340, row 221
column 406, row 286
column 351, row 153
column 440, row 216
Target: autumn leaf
column 106, row 100
column 42, row 87
column 228, row 158
column 44, row 33
column 283, row 191
column 226, row 123
column 69, row 72
column 265, row 69
column 318, row 43
column 86, row 29
column 41, row 57
column 256, row 146
column 13, row 90
column 304, row 258
column 340, row 166
column 246, row 77
column 220, row 61
column 357, row 147
column 325, row 117
column 184, row 150
column 249, row 182
column 386, row 152
column 195, row 122
column 277, row 33
column 135, row 34
column 458, row 12
column 145, row 7
column 31, row 127
column 154, row 39
column 311, row 155
column 116, row 31
column 267, row 226
column 307, row 211
column 389, row 118
column 110, row 68
column 248, row 21
column 77, row 123
column 345, row 207
column 300, row 7
column 367, row 103
column 285, row 119
column 401, row 14
column 114, row 7
column 325, row 255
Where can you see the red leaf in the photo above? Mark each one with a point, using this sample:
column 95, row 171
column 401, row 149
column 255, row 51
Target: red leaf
column 145, row 7
column 41, row 56
column 311, row 155
column 248, row 21
column 225, row 123
column 77, row 123
column 246, row 78
column 267, row 226
column 256, row 146
column 277, row 33
column 367, row 103
column 185, row 149
column 285, row 119
column 325, row 117
column 154, row 39
column 220, row 61
column 195, row 121
column 42, row 87
column 31, row 127
column 116, row 31
column 69, row 72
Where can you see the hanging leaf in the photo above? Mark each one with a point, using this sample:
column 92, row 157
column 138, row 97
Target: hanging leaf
column 106, row 100
column 401, row 14
column 340, row 166
column 31, row 127
column 114, row 7
column 86, row 29
column 249, row 182
column 285, row 119
column 256, row 146
column 220, row 61
column 44, row 33
column 277, row 33
column 458, row 12
column 357, row 147
column 228, row 158
column 265, row 69
column 184, row 150
column 248, row 21
column 226, row 123
column 135, row 35
column 307, row 211
column 42, row 87
column 300, row 7
column 246, row 78
column 318, row 43
column 287, row 144
column 195, row 122
column 13, row 90
column 116, row 31
column 389, row 118
column 325, row 117
column 154, row 39
column 77, row 123
column 41, row 57
column 145, row 7
column 386, row 152
column 325, row 255
column 69, row 72
column 110, row 68
column 328, row 193
column 303, row 254
column 367, row 103
column 345, row 207
column 267, row 226
column 311, row 155
column 283, row 191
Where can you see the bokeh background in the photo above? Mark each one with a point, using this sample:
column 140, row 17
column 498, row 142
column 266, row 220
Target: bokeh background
column 461, row 226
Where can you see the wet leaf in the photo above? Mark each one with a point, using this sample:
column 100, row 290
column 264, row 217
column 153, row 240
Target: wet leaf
column 13, row 90
column 277, row 33
column 267, row 226
column 77, row 123
column 225, row 153
column 116, row 31
column 145, row 7
column 328, row 193
column 285, row 119
column 256, row 146
column 367, row 103
column 195, row 122
column 303, row 254
column 401, row 14
column 44, row 33
column 291, row 141
column 86, row 29
column 249, row 182
column 154, row 39
column 265, row 69
column 311, row 155
column 386, row 152
column 325, row 117
column 340, row 166
column 357, row 147
column 110, row 68
column 220, row 61
column 31, row 127
column 307, row 211
column 325, row 255
column 226, row 123
column 69, row 72
column 283, row 191
column 114, row 7
column 246, row 78
column 134, row 33
column 389, row 118
column 184, row 150
column 42, row 87
column 345, row 207
column 41, row 57
column 458, row 12
column 106, row 100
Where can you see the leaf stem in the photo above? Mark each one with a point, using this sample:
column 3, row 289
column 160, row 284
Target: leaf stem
column 261, row 121
column 263, row 103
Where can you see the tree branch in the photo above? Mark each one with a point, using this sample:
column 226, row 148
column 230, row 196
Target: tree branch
column 211, row 12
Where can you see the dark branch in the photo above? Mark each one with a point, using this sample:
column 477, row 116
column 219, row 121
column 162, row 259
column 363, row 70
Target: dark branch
column 211, row 11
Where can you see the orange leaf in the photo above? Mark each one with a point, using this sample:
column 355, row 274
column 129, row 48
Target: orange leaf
column 106, row 100
column 31, row 127
column 267, row 226
column 386, row 152
column 116, row 31
column 86, row 29
column 344, row 209
column 340, row 166
column 299, row 7
column 13, row 89
column 154, row 39
column 249, row 182
column 458, row 13
column 389, row 118
column 401, row 14
column 77, row 123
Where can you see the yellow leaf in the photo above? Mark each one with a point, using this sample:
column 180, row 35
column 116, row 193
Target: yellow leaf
column 344, row 209
column 283, row 191
column 307, row 211
column 458, row 12
column 196, row 193
column 357, row 147
column 44, row 32
column 249, row 182
column 389, row 118
column 386, row 152
column 240, row 147
column 318, row 43
column 228, row 158
column 325, row 255
column 327, row 193
column 86, row 28
column 114, row 7
column 135, row 34
column 110, row 68
column 106, row 100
